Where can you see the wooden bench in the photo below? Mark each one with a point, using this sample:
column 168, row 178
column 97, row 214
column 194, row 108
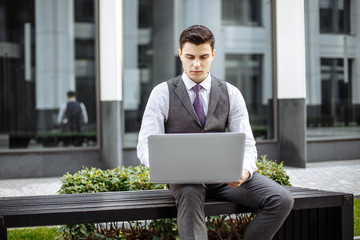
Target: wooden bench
column 316, row 214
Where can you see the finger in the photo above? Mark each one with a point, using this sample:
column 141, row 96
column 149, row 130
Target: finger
column 233, row 184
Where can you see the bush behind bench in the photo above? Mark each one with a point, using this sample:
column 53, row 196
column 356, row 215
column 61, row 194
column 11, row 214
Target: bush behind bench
column 137, row 178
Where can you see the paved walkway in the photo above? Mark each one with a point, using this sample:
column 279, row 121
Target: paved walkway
column 339, row 176
column 29, row 186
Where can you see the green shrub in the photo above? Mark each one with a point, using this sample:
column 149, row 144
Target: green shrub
column 273, row 170
column 137, row 178
column 96, row 180
column 119, row 179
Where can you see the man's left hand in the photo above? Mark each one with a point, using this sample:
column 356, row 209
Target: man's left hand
column 245, row 176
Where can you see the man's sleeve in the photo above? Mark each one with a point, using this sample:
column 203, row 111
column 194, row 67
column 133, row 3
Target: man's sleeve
column 154, row 117
column 239, row 122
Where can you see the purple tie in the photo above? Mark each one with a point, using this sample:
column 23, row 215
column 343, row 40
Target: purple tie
column 198, row 106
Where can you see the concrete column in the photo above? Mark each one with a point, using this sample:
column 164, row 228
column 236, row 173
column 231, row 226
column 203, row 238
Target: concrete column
column 111, row 69
column 291, row 81
column 313, row 83
column 267, row 90
column 55, row 59
column 131, row 71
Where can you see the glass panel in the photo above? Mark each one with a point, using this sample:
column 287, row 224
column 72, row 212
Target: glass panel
column 42, row 57
column 246, row 72
column 151, row 54
column 338, row 114
column 241, row 12
column 334, row 16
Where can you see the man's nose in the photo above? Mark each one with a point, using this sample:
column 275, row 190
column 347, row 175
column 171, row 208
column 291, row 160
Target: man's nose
column 196, row 63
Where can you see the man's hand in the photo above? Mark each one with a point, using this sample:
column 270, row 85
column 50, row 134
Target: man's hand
column 245, row 176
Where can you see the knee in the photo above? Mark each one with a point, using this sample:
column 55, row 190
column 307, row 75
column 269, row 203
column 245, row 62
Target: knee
column 282, row 202
column 287, row 201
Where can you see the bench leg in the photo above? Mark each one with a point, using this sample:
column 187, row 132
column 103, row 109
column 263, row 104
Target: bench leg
column 3, row 230
column 348, row 218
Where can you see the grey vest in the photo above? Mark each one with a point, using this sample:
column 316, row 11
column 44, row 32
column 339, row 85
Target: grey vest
column 182, row 116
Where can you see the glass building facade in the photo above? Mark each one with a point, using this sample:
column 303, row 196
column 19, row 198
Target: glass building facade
column 333, row 109
column 112, row 53
column 47, row 48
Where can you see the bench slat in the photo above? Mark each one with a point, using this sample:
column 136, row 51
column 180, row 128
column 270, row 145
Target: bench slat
column 136, row 199
column 30, row 211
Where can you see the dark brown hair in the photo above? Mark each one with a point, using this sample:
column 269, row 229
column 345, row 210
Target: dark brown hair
column 71, row 94
column 197, row 34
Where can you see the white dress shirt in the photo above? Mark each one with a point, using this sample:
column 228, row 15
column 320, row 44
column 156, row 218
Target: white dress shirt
column 61, row 119
column 157, row 109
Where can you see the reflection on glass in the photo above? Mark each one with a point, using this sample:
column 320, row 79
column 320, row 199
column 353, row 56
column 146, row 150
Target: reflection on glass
column 243, row 57
column 246, row 72
column 42, row 57
column 334, row 16
column 337, row 115
column 241, row 12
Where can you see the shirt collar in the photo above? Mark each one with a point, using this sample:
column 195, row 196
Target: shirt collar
column 206, row 84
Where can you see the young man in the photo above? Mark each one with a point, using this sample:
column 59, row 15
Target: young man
column 72, row 114
column 173, row 107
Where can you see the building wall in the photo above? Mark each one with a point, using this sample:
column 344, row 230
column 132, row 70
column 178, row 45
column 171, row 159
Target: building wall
column 294, row 87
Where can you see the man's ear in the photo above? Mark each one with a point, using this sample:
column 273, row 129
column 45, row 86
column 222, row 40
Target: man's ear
column 179, row 52
column 213, row 53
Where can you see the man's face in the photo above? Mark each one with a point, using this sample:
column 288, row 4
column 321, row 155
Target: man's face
column 196, row 60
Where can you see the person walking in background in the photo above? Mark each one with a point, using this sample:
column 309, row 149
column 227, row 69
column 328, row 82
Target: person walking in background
column 72, row 114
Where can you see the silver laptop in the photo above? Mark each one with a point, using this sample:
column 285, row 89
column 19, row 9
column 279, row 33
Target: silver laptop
column 196, row 157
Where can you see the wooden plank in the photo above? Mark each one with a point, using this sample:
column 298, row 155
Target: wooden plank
column 321, row 224
column 122, row 200
column 313, row 223
column 347, row 217
column 317, row 202
column 297, row 225
column 3, row 230
column 99, row 206
column 289, row 226
column 122, row 214
column 305, row 228
column 280, row 235
column 35, row 208
column 330, row 223
column 86, row 197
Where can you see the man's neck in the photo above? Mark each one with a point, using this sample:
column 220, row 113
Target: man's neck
column 197, row 82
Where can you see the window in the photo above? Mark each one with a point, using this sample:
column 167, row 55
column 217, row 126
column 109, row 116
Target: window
column 241, row 12
column 337, row 115
column 245, row 71
column 334, row 16
column 42, row 57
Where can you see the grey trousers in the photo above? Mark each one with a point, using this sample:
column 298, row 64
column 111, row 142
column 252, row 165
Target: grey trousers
column 272, row 202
